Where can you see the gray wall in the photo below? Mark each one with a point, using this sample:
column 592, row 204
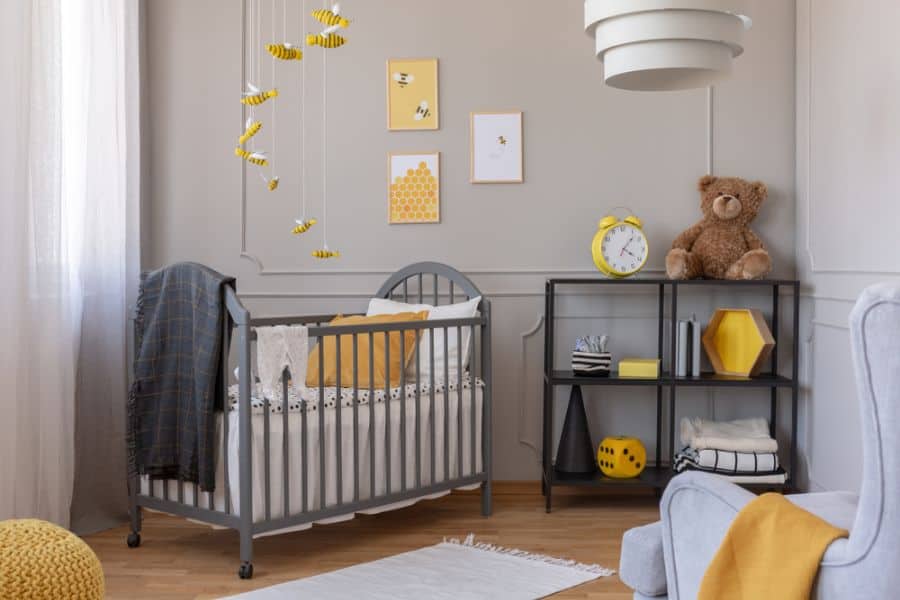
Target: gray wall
column 847, row 182
column 587, row 148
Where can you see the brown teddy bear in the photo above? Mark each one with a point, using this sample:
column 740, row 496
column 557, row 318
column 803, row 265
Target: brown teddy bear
column 721, row 245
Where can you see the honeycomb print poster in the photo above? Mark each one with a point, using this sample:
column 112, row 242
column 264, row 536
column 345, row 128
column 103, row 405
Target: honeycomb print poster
column 414, row 188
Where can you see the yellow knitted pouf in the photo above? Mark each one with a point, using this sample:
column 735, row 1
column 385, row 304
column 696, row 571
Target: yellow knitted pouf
column 41, row 561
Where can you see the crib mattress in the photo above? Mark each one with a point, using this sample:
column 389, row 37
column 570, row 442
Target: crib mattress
column 417, row 409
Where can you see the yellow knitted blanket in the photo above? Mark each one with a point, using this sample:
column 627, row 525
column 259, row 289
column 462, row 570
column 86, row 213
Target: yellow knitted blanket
column 41, row 561
column 772, row 550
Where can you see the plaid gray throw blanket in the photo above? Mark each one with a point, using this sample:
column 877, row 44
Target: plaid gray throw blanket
column 177, row 374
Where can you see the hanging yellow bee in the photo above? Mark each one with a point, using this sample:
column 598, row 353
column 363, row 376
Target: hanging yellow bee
column 252, row 129
column 325, row 253
column 326, row 17
column 254, row 98
column 303, row 226
column 257, row 158
column 285, row 51
column 272, row 184
column 331, row 40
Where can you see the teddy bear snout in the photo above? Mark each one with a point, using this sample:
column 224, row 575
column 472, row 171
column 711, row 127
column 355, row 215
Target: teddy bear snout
column 727, row 207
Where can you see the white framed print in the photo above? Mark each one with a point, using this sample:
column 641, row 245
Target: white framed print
column 495, row 147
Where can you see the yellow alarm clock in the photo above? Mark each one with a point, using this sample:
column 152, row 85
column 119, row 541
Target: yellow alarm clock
column 620, row 247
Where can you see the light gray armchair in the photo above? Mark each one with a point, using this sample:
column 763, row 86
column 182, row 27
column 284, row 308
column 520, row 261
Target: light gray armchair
column 671, row 556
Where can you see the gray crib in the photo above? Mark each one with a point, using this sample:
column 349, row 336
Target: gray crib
column 421, row 282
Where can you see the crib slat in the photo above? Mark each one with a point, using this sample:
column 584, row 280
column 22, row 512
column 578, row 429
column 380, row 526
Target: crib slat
column 420, row 288
column 436, row 301
column 225, row 426
column 322, row 423
column 451, row 292
column 371, row 416
column 245, row 441
column 459, row 404
column 473, row 379
column 267, row 476
column 226, row 348
column 337, row 422
column 285, row 448
column 165, row 486
column 431, row 397
column 304, row 452
column 418, row 417
column 402, row 399
column 387, row 411
column 355, row 420
column 406, row 290
column 196, row 494
column 446, row 407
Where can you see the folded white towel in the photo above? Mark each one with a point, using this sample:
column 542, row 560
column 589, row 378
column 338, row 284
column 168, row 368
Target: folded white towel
column 743, row 435
column 277, row 348
column 775, row 478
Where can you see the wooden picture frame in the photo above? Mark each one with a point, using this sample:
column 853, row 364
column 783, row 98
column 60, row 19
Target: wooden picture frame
column 414, row 190
column 496, row 147
column 413, row 94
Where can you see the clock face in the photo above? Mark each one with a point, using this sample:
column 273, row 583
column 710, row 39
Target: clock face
column 624, row 248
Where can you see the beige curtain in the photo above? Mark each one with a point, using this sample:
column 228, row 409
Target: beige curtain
column 69, row 184
column 105, row 35
column 39, row 296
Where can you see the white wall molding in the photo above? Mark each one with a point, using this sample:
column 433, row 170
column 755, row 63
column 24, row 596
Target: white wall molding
column 499, row 293
column 836, row 326
column 502, row 271
column 526, row 400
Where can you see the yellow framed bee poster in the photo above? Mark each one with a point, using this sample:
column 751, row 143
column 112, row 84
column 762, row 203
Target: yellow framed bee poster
column 414, row 188
column 495, row 147
column 412, row 94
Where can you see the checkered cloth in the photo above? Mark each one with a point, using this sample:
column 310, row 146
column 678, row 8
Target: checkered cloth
column 177, row 374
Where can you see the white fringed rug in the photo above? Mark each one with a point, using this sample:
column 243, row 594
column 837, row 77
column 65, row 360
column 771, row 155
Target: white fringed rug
column 451, row 570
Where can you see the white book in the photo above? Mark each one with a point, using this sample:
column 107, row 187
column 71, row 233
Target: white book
column 696, row 330
column 681, row 353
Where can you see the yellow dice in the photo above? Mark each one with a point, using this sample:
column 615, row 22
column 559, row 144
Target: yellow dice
column 621, row 457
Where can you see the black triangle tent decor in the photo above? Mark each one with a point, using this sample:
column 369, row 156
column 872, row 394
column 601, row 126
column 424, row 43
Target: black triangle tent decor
column 575, row 453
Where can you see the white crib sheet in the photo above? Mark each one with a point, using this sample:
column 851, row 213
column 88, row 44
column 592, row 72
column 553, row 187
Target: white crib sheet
column 313, row 486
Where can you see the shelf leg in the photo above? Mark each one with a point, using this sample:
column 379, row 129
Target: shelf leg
column 674, row 319
column 659, row 355
column 773, row 412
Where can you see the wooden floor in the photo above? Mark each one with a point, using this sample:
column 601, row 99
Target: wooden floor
column 179, row 559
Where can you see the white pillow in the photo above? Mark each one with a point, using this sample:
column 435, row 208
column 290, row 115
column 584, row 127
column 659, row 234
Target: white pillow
column 461, row 310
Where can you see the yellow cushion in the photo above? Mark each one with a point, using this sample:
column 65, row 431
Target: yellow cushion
column 42, row 561
column 397, row 365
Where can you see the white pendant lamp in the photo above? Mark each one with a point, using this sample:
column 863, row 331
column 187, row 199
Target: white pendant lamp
column 657, row 45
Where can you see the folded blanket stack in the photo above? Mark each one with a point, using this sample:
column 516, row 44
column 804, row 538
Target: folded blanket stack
column 590, row 356
column 741, row 451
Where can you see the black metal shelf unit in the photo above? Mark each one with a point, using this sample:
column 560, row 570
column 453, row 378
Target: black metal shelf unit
column 657, row 476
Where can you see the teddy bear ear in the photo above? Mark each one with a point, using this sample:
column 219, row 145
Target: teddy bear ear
column 761, row 189
column 706, row 181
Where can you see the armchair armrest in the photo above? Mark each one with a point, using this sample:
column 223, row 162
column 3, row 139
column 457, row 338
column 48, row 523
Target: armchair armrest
column 696, row 511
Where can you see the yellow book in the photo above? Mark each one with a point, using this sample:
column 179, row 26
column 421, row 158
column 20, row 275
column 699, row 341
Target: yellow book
column 645, row 368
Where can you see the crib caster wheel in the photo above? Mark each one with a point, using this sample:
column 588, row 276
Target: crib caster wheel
column 134, row 540
column 246, row 570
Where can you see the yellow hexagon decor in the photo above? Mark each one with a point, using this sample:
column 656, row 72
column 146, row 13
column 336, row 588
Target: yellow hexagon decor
column 738, row 341
column 414, row 190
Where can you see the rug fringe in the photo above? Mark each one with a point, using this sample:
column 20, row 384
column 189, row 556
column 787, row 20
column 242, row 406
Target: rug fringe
column 470, row 542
